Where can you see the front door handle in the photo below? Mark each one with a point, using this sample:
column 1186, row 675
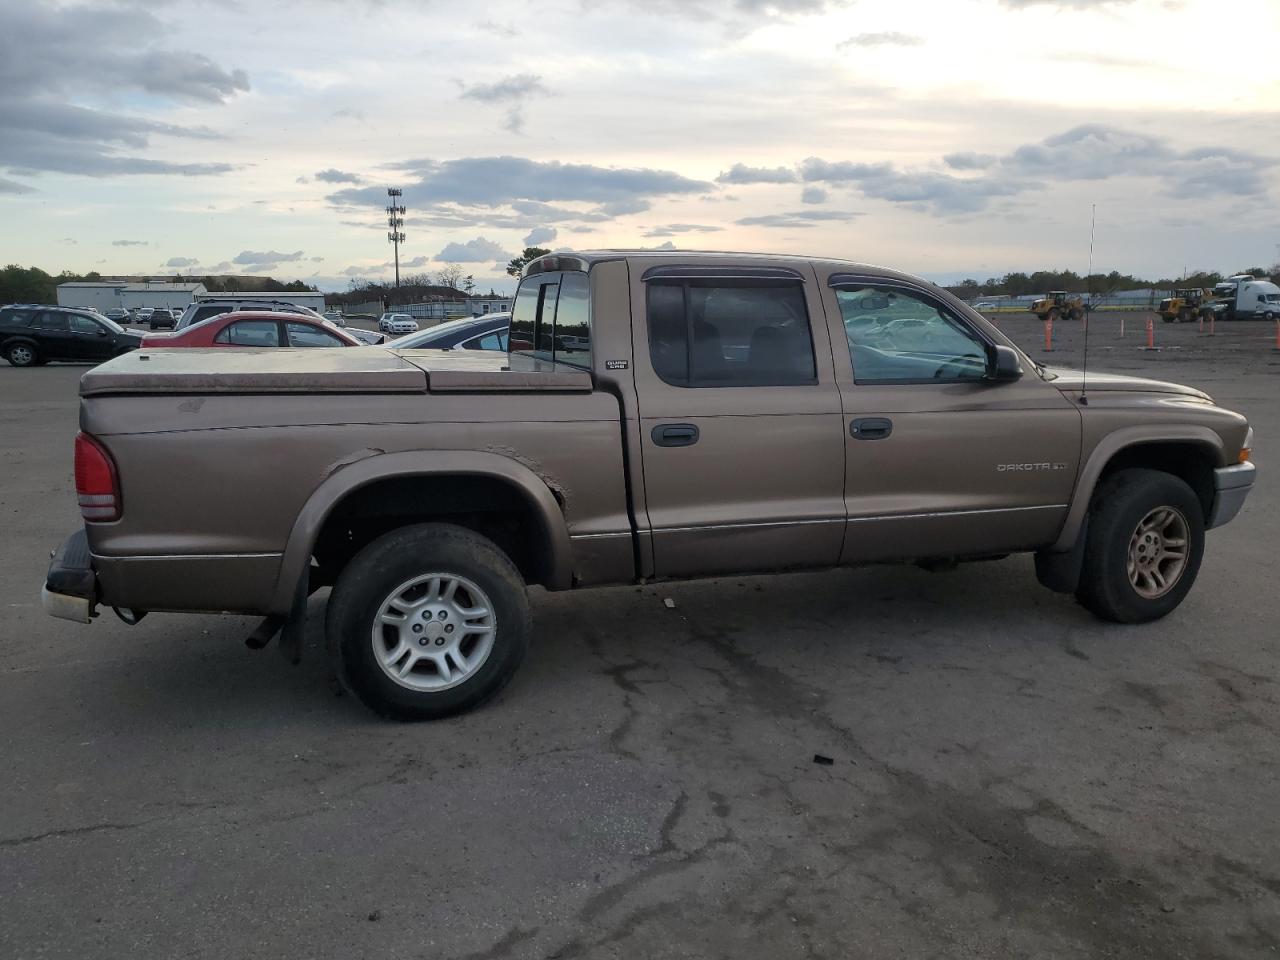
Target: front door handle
column 675, row 435
column 870, row 428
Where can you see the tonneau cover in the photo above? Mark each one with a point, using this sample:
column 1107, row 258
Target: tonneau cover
column 217, row 370
column 249, row 370
column 490, row 371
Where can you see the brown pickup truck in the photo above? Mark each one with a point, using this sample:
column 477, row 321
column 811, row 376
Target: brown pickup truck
column 679, row 415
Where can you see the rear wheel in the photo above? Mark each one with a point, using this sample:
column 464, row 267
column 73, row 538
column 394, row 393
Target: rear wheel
column 1184, row 315
column 428, row 621
column 1053, row 314
column 1077, row 313
column 21, row 355
column 1145, row 543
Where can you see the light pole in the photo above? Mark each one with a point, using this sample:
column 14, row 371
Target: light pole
column 395, row 220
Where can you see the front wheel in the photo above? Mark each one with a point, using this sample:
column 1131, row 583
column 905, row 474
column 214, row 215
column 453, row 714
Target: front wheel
column 428, row 621
column 1144, row 547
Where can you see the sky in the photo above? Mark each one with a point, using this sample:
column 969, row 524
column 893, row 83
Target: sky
column 965, row 138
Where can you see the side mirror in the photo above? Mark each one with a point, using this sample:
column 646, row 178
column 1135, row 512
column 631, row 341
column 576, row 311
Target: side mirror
column 1004, row 364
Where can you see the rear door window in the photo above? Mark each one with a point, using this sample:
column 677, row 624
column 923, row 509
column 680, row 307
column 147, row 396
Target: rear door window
column 250, row 333
column 49, row 320
column 722, row 333
column 85, row 325
column 305, row 335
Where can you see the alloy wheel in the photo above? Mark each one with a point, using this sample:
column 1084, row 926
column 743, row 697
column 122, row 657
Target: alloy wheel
column 434, row 632
column 1158, row 551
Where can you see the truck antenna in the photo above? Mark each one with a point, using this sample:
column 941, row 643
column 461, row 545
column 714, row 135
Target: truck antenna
column 1088, row 309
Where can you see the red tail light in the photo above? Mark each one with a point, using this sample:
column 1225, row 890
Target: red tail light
column 97, row 486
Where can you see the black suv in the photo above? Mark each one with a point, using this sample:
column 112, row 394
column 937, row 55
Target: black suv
column 162, row 317
column 33, row 333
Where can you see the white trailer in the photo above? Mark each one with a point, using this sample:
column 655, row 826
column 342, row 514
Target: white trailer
column 1246, row 297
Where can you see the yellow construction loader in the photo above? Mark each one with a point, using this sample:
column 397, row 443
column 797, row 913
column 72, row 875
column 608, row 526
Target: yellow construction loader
column 1185, row 305
column 1058, row 304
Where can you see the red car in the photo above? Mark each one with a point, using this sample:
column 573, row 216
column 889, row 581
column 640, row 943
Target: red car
column 255, row 328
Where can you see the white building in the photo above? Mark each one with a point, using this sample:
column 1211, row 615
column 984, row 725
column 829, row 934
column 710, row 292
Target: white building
column 485, row 305
column 105, row 295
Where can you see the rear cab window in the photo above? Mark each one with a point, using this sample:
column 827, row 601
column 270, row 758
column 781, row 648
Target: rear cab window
column 551, row 319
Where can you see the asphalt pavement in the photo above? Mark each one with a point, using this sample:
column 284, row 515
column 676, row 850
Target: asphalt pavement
column 1007, row 776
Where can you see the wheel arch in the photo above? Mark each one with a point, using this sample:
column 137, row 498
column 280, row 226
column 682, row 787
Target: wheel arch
column 1189, row 451
column 547, row 562
column 16, row 338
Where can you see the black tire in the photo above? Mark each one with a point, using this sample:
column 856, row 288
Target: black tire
column 397, row 558
column 1184, row 315
column 22, row 355
column 1053, row 314
column 1076, row 313
column 1119, row 505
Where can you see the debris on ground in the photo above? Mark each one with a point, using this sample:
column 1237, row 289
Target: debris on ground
column 669, row 603
column 824, row 761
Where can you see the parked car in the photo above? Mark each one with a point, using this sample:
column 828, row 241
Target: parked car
column 335, row 318
column 204, row 309
column 161, row 318
column 984, row 305
column 255, row 328
column 728, row 418
column 32, row 334
column 397, row 323
column 119, row 315
column 143, row 314
column 473, row 333
column 367, row 337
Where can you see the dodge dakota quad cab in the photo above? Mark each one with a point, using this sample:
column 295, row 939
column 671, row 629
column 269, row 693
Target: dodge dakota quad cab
column 676, row 415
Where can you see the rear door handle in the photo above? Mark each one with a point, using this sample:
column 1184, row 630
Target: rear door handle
column 870, row 428
column 675, row 435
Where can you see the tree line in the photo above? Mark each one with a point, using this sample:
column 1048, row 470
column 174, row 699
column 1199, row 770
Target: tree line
column 32, row 285
column 1019, row 284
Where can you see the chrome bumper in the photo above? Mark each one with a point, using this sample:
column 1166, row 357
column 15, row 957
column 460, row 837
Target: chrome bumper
column 1230, row 486
column 70, row 590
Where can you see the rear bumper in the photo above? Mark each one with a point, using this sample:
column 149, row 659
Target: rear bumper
column 1231, row 485
column 70, row 589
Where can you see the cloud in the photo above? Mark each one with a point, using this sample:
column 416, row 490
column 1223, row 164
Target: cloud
column 890, row 38
column 102, row 53
column 1065, row 4
column 518, row 193
column 515, row 87
column 514, row 91
column 798, row 218
column 540, row 235
column 350, row 113
column 302, row 180
column 674, row 229
column 968, row 160
column 226, row 266
column 316, row 259
column 129, row 243
column 265, row 256
column 473, row 251
column 813, row 195
column 359, row 271
column 70, row 241
column 1099, row 152
column 741, row 173
column 103, row 48
column 181, row 262
column 13, row 187
column 338, row 176
column 416, row 262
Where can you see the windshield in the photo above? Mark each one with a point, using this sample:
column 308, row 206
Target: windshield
column 110, row 324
